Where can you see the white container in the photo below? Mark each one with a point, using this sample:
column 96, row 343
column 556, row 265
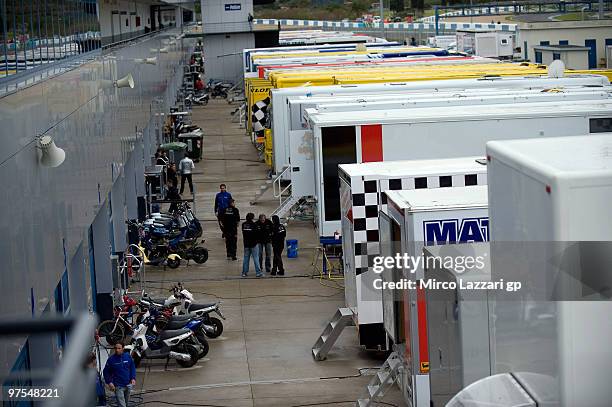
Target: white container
column 280, row 97
column 556, row 190
column 419, row 218
column 362, row 188
column 426, row 133
column 494, row 44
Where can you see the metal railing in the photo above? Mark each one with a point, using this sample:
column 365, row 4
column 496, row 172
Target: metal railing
column 278, row 191
column 74, row 381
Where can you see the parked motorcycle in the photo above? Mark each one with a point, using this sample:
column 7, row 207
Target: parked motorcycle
column 181, row 304
column 169, row 344
column 163, row 322
column 187, row 306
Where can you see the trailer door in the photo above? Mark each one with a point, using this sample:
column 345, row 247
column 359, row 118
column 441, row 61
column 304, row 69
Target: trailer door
column 337, row 147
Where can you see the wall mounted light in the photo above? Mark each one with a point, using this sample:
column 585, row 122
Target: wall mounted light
column 125, row 82
column 163, row 50
column 51, row 155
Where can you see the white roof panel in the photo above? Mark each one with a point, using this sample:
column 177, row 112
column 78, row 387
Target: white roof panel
column 559, row 156
column 419, row 200
column 406, row 168
column 545, row 109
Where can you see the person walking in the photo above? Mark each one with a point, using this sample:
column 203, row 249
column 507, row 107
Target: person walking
column 278, row 244
column 230, row 220
column 250, row 240
column 186, row 167
column 222, row 200
column 265, row 241
column 120, row 374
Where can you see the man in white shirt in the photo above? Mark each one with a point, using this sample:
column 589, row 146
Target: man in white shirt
column 186, row 168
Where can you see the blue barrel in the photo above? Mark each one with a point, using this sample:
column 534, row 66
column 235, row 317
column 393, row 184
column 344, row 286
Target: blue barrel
column 292, row 248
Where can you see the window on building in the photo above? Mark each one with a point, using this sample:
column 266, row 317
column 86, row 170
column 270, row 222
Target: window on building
column 446, row 181
column 420, row 183
column 538, row 57
column 556, row 55
column 600, row 125
column 544, row 42
column 563, row 42
column 471, row 179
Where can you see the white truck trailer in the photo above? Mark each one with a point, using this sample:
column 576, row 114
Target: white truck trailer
column 362, row 188
column 413, row 220
column 281, row 113
column 409, row 99
column 553, row 194
column 425, row 133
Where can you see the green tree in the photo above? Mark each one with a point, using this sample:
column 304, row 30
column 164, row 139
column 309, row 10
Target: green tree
column 396, row 5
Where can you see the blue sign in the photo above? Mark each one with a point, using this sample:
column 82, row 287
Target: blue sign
column 455, row 231
column 233, row 7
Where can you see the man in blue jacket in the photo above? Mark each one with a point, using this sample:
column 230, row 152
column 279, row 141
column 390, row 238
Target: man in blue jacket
column 120, row 374
column 222, row 201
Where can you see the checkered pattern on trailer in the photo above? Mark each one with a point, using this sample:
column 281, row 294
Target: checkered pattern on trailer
column 367, row 200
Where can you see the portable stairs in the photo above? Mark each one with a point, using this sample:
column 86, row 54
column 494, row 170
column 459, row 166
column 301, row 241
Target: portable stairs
column 382, row 381
column 341, row 319
column 289, row 205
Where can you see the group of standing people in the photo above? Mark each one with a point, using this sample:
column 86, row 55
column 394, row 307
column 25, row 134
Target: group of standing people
column 263, row 239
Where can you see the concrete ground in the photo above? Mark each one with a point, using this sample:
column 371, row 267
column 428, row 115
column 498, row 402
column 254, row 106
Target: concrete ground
column 263, row 357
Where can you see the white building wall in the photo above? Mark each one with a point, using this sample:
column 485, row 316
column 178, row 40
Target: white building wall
column 224, row 55
column 226, row 15
column 123, row 25
column 575, row 32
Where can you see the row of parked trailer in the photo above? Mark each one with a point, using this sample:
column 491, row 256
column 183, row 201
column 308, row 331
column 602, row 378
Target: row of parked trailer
column 459, row 153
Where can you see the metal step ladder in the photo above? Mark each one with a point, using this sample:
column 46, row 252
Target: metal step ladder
column 342, row 318
column 382, row 381
column 286, row 206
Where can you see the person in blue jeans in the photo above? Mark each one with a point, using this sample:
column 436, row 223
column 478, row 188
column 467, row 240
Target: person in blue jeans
column 120, row 374
column 250, row 238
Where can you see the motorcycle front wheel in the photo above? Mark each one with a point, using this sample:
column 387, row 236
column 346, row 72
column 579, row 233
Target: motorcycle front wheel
column 215, row 322
column 200, row 255
column 173, row 263
column 193, row 356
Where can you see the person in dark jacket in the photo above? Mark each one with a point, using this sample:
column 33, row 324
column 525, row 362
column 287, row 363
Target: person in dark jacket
column 265, row 241
column 250, row 235
column 230, row 221
column 222, row 200
column 171, row 174
column 278, row 244
column 173, row 195
column 120, row 374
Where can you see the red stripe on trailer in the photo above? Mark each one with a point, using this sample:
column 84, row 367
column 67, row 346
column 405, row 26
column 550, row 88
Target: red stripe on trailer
column 371, row 143
column 422, row 324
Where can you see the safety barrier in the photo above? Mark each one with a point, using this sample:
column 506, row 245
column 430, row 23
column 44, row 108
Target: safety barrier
column 418, row 26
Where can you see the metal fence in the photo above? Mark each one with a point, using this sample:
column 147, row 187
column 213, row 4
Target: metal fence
column 38, row 32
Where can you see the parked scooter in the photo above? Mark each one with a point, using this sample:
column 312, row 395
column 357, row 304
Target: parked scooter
column 165, row 322
column 167, row 305
column 187, row 306
column 170, row 344
column 200, row 99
